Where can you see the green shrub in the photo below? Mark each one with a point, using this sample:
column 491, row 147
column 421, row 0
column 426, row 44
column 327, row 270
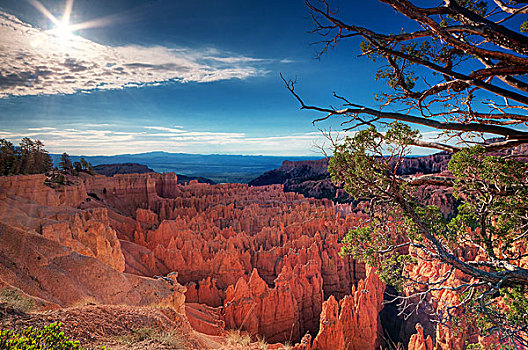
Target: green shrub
column 33, row 338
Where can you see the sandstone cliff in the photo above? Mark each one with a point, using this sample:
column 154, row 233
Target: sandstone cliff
column 311, row 179
column 59, row 245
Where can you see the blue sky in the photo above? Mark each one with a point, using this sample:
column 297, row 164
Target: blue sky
column 176, row 76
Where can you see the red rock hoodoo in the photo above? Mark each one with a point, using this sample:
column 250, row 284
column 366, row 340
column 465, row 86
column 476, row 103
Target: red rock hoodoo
column 252, row 258
column 269, row 257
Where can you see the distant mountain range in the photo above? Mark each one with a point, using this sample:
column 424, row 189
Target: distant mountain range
column 217, row 167
column 121, row 168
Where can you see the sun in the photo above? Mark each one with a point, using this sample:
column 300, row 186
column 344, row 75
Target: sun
column 63, row 30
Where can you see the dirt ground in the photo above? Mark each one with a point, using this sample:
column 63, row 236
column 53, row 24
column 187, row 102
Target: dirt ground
column 123, row 328
column 117, row 327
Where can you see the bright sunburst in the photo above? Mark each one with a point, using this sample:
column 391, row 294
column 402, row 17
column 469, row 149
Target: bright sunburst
column 63, row 29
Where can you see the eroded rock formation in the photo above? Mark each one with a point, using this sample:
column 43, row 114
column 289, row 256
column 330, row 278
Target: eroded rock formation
column 354, row 323
column 59, row 245
column 269, row 257
column 254, row 258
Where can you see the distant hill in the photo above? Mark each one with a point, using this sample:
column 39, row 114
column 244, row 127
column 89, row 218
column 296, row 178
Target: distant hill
column 216, row 167
column 121, row 168
column 309, row 177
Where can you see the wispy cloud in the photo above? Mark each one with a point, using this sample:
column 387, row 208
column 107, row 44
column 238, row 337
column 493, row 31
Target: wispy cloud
column 106, row 141
column 175, row 128
column 34, row 62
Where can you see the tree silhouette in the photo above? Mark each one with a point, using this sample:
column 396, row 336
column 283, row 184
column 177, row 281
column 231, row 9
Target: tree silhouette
column 65, row 164
column 29, row 157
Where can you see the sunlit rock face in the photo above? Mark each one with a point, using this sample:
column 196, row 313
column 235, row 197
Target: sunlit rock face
column 254, row 258
column 268, row 258
column 58, row 246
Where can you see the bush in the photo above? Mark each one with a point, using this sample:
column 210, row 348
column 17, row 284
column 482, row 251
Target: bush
column 33, row 338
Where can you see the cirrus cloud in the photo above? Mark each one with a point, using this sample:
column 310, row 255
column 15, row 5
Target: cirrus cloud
column 33, row 62
column 109, row 141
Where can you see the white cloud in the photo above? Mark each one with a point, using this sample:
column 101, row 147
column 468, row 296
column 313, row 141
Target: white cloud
column 175, row 129
column 41, row 129
column 35, row 62
column 92, row 141
column 232, row 60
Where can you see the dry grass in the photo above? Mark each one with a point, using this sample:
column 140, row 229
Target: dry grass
column 238, row 338
column 287, row 346
column 172, row 339
column 261, row 343
column 16, row 300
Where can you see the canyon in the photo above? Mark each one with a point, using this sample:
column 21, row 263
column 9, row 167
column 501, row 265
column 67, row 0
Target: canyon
column 312, row 179
column 220, row 257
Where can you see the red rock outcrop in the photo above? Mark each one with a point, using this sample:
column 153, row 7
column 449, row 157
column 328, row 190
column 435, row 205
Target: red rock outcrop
column 205, row 292
column 27, row 203
column 357, row 324
column 287, row 311
column 331, row 335
column 89, row 233
column 33, row 189
column 419, row 342
column 46, row 269
column 261, row 259
column 126, row 192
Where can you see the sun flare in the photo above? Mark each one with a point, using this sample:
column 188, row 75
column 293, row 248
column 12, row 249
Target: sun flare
column 63, row 30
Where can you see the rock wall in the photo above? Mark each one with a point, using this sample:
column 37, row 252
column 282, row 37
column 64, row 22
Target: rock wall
column 32, row 188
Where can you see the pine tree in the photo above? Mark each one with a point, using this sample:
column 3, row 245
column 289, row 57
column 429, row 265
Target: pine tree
column 65, row 164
